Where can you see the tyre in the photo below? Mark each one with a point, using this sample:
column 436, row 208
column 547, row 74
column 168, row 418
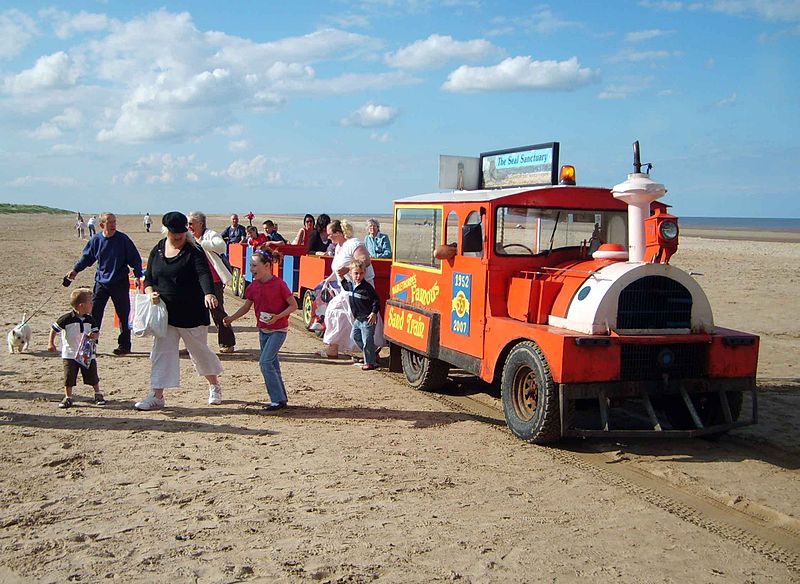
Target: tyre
column 242, row 286
column 423, row 373
column 709, row 409
column 237, row 274
column 529, row 395
column 308, row 308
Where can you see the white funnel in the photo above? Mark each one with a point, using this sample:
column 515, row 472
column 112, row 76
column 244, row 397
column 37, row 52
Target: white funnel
column 638, row 192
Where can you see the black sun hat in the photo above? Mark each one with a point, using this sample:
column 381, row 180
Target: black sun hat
column 175, row 221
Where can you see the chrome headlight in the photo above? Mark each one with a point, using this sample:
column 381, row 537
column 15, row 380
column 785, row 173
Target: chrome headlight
column 669, row 230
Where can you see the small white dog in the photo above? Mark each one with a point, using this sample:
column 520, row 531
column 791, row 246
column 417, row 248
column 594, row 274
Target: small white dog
column 19, row 338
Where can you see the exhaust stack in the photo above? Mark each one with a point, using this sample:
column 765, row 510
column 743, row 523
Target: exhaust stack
column 638, row 191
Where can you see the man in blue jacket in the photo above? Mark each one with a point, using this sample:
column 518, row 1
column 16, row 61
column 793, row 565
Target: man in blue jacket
column 114, row 252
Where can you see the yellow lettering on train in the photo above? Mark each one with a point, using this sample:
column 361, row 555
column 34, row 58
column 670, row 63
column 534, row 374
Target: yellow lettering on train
column 425, row 297
column 415, row 325
column 395, row 319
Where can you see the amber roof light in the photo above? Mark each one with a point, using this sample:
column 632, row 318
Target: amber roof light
column 567, row 175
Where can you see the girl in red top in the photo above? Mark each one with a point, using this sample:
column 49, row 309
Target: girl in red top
column 273, row 303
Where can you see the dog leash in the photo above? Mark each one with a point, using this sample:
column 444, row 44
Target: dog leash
column 38, row 308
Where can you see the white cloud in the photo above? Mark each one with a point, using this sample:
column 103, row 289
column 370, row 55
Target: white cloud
column 54, row 71
column 16, row 31
column 70, row 118
column 56, row 181
column 382, row 137
column 521, row 74
column 371, row 115
column 46, row 131
column 238, row 145
column 646, row 35
column 436, row 50
column 247, row 169
column 66, row 24
column 773, row 10
column 631, row 56
column 542, row 21
column 161, row 169
column 623, row 87
column 724, row 102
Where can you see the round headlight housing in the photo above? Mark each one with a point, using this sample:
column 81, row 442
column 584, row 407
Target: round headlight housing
column 669, row 230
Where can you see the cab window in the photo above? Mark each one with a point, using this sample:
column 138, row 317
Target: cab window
column 531, row 231
column 475, row 218
column 418, row 233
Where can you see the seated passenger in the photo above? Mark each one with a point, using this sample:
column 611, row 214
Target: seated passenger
column 319, row 238
column 255, row 239
column 273, row 237
column 303, row 236
column 377, row 243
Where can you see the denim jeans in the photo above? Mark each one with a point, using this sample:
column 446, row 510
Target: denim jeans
column 363, row 335
column 270, row 366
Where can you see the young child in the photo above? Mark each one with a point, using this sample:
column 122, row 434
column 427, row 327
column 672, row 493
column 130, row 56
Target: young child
column 254, row 238
column 273, row 302
column 365, row 306
column 72, row 326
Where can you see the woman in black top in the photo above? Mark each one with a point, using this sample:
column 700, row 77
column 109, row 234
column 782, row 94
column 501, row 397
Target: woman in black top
column 319, row 238
column 178, row 275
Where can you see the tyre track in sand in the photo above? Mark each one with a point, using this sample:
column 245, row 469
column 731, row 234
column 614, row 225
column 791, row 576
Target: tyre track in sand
column 760, row 529
column 755, row 527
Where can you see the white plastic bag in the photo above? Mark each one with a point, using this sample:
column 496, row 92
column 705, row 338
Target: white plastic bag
column 149, row 319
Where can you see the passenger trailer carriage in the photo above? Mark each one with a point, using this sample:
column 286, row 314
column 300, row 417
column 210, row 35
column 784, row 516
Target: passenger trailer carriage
column 564, row 296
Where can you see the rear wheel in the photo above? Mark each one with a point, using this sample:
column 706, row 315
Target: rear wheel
column 422, row 372
column 242, row 286
column 529, row 395
column 308, row 308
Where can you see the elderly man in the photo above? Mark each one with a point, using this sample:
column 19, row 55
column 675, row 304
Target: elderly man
column 114, row 253
column 214, row 247
column 234, row 233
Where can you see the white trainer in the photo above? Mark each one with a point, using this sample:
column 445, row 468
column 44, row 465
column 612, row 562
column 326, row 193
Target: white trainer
column 214, row 395
column 151, row 402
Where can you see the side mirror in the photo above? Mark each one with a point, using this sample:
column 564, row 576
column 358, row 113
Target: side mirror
column 472, row 238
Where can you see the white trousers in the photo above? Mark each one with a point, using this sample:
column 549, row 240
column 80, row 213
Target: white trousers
column 165, row 370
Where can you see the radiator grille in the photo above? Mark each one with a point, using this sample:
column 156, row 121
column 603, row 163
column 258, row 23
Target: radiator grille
column 654, row 302
column 650, row 362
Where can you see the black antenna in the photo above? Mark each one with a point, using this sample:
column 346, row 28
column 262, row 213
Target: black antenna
column 637, row 162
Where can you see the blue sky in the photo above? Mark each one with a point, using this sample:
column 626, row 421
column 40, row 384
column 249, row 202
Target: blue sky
column 342, row 107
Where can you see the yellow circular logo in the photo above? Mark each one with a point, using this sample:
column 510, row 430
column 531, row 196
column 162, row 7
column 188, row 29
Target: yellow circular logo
column 461, row 304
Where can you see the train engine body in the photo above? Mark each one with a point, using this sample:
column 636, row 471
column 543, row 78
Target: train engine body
column 563, row 296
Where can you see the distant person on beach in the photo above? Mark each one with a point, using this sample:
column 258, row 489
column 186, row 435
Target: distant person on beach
column 338, row 315
column 234, row 233
column 114, row 253
column 80, row 227
column 90, row 224
column 319, row 238
column 366, row 307
column 72, row 326
column 250, row 216
column 303, row 236
column 214, row 246
column 178, row 275
column 273, row 237
column 147, row 222
column 273, row 302
column 377, row 243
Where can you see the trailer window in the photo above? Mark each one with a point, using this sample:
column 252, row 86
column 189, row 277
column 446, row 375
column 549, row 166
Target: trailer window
column 417, row 234
column 528, row 231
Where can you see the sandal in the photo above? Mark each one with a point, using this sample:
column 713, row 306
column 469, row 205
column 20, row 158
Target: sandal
column 324, row 353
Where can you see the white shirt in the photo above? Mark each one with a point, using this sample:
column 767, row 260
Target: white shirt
column 343, row 256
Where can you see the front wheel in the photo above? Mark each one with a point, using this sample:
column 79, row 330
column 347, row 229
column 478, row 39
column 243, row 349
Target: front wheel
column 237, row 274
column 308, row 308
column 422, row 372
column 529, row 395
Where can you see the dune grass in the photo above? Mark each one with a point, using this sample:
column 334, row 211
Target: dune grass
column 8, row 208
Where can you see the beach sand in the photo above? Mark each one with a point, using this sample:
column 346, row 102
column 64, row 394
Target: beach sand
column 363, row 478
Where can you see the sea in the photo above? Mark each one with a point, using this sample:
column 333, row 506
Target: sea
column 741, row 223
